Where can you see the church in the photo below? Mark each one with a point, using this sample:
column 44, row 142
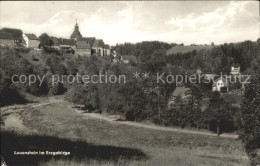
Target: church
column 86, row 46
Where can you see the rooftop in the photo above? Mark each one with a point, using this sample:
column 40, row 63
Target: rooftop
column 180, row 91
column 31, row 36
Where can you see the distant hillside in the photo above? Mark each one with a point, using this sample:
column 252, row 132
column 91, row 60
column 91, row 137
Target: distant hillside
column 185, row 49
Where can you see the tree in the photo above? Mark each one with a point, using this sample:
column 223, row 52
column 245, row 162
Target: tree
column 77, row 94
column 155, row 62
column 57, row 89
column 250, row 119
column 45, row 40
column 218, row 114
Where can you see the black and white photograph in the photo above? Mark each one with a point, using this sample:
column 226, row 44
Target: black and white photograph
column 130, row 83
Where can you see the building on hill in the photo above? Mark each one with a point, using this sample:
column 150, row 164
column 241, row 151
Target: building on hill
column 31, row 40
column 220, row 85
column 83, row 48
column 67, row 45
column 97, row 47
column 235, row 70
column 76, row 35
column 186, row 49
column 90, row 41
column 180, row 93
column 63, row 45
column 106, row 50
column 17, row 36
column 6, row 39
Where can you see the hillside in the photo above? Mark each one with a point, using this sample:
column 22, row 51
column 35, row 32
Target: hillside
column 186, row 49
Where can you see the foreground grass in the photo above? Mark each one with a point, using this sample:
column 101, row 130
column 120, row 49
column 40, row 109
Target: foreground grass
column 79, row 150
column 147, row 146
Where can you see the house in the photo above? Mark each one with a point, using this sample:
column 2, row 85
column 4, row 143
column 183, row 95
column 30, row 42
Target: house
column 17, row 36
column 6, row 39
column 106, row 50
column 83, row 48
column 220, row 85
column 89, row 40
column 67, row 45
column 97, row 47
column 31, row 40
column 235, row 70
column 64, row 45
column 180, row 93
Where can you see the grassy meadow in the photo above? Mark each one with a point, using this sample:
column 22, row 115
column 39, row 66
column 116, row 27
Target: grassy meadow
column 57, row 127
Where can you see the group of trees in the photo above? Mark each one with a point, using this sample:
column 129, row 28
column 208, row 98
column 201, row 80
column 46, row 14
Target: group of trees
column 250, row 119
column 219, row 59
column 14, row 62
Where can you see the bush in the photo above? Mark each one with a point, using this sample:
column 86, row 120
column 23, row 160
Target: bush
column 57, row 89
column 129, row 115
column 10, row 95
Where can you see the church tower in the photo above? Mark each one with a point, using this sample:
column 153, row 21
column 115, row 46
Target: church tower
column 76, row 35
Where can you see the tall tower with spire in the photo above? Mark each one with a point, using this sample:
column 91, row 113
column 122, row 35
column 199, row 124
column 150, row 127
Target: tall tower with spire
column 76, row 33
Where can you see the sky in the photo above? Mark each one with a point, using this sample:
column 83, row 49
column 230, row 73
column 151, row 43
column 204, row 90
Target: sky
column 198, row 22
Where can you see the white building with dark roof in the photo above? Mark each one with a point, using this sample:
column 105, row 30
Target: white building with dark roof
column 220, row 85
column 31, row 40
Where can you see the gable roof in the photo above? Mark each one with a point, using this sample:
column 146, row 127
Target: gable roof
column 16, row 33
column 61, row 41
column 5, row 35
column 89, row 40
column 101, row 43
column 31, row 36
column 181, row 91
column 95, row 44
column 83, row 45
column 69, row 42
column 106, row 46
column 186, row 49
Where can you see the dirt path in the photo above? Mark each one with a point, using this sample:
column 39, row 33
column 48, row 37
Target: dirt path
column 155, row 127
column 12, row 114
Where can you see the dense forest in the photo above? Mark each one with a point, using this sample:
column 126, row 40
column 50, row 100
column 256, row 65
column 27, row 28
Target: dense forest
column 143, row 98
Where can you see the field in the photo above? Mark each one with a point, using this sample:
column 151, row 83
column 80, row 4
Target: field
column 51, row 124
column 185, row 49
